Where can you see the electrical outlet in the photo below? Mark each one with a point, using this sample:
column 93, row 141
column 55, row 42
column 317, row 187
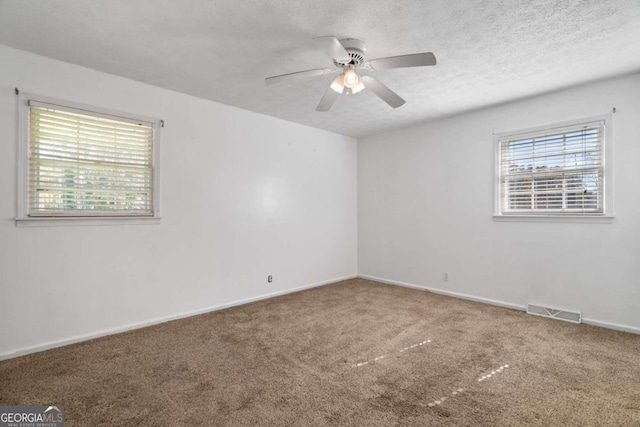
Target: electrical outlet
column 445, row 277
column 270, row 279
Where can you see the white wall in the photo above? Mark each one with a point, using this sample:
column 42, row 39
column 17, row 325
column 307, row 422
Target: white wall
column 243, row 196
column 426, row 204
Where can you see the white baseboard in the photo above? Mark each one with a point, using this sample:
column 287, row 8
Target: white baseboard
column 393, row 282
column 608, row 325
column 117, row 330
column 593, row 322
column 489, row 301
column 443, row 292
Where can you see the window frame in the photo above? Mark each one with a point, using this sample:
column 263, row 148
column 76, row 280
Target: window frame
column 607, row 186
column 22, row 212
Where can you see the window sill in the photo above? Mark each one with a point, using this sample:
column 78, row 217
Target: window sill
column 75, row 221
column 603, row 219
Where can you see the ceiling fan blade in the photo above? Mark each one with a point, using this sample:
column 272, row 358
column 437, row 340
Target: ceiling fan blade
column 333, row 46
column 330, row 96
column 307, row 73
column 383, row 92
column 414, row 60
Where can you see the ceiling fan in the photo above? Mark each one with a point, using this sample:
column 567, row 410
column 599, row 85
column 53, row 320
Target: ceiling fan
column 348, row 57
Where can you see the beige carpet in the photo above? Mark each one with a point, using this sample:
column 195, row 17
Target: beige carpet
column 293, row 360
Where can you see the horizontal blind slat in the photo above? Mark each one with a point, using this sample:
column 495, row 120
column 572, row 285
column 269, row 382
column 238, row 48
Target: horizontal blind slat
column 142, row 144
column 86, row 114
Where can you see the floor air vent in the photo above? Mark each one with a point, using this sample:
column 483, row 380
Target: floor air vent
column 554, row 313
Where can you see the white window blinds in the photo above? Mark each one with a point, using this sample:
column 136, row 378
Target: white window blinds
column 559, row 171
column 88, row 164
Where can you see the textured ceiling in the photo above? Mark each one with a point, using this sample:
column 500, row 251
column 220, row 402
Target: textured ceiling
column 488, row 51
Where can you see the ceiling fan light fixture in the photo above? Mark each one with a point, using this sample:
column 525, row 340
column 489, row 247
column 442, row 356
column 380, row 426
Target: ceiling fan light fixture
column 338, row 84
column 358, row 88
column 351, row 79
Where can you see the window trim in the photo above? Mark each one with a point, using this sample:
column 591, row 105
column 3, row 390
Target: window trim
column 22, row 211
column 606, row 217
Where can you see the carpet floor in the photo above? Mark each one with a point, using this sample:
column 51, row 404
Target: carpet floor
column 354, row 353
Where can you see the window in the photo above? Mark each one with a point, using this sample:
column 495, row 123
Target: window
column 81, row 163
column 553, row 172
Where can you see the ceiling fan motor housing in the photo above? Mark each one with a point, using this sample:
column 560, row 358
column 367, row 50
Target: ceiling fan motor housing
column 355, row 48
